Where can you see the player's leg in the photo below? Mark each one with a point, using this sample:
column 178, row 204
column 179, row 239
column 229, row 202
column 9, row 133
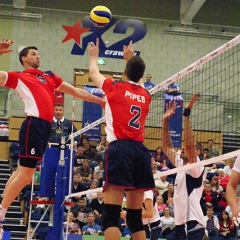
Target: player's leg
column 134, row 214
column 117, row 177
column 9, row 181
column 113, row 198
column 33, row 138
column 195, row 230
column 22, row 177
column 179, row 233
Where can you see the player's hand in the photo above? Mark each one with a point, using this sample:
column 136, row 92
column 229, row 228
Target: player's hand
column 128, row 51
column 170, row 110
column 193, row 99
column 4, row 45
column 236, row 215
column 93, row 49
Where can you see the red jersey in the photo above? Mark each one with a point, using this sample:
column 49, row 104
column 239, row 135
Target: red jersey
column 127, row 107
column 36, row 89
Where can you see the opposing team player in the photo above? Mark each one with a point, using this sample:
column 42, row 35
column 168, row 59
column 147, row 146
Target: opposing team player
column 36, row 89
column 127, row 163
column 188, row 184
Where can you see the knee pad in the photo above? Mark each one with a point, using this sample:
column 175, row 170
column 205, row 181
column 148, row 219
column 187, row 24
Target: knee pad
column 110, row 216
column 134, row 220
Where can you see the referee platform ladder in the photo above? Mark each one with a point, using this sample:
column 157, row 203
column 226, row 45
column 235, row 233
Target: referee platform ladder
column 54, row 186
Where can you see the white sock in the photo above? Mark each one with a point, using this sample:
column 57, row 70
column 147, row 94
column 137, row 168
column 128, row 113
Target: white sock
column 2, row 213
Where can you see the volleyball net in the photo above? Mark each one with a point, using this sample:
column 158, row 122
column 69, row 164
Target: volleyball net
column 214, row 116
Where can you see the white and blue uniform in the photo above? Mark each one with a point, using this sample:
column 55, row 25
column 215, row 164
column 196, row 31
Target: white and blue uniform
column 187, row 194
column 152, row 226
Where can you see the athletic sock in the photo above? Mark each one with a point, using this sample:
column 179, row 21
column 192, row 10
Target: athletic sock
column 2, row 213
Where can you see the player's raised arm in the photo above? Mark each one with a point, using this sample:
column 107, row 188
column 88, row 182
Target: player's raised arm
column 128, row 51
column 81, row 94
column 94, row 73
column 167, row 145
column 189, row 140
column 4, row 48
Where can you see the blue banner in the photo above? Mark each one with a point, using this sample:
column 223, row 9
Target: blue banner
column 91, row 113
column 175, row 122
column 116, row 26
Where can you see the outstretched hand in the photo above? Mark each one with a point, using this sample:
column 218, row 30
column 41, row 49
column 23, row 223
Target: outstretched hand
column 193, row 99
column 170, row 110
column 93, row 49
column 128, row 51
column 4, row 45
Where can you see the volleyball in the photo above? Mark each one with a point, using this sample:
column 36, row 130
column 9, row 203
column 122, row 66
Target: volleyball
column 100, row 16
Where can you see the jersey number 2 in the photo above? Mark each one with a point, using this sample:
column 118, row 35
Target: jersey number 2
column 134, row 123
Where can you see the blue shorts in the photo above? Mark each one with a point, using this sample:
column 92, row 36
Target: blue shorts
column 33, row 139
column 127, row 165
column 195, row 230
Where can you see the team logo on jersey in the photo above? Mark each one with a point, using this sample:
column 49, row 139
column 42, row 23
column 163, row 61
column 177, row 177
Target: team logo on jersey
column 41, row 79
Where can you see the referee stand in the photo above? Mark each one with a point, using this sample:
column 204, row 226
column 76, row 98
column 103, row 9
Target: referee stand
column 53, row 185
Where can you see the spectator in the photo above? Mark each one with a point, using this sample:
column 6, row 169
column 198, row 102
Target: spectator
column 223, row 201
column 29, row 234
column 168, row 222
column 97, row 204
column 154, row 167
column 80, row 213
column 227, row 228
column 77, row 187
column 205, row 154
column 215, row 185
column 83, row 139
column 61, row 127
column 98, row 173
column 148, row 84
column 78, row 159
column 85, row 172
column 160, row 205
column 213, row 151
column 102, row 145
column 172, row 88
column 169, row 193
column 88, row 151
column 91, row 228
column 209, row 199
column 212, row 223
column 160, row 159
column 223, row 179
column 228, row 168
column 161, row 184
column 73, row 228
column 92, row 195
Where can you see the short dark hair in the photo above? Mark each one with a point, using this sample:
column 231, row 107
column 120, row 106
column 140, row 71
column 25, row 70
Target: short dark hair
column 149, row 75
column 210, row 140
column 58, row 105
column 209, row 207
column 206, row 149
column 24, row 52
column 81, row 199
column 135, row 68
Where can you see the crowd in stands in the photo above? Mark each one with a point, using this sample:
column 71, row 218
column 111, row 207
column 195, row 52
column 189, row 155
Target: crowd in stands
column 85, row 217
